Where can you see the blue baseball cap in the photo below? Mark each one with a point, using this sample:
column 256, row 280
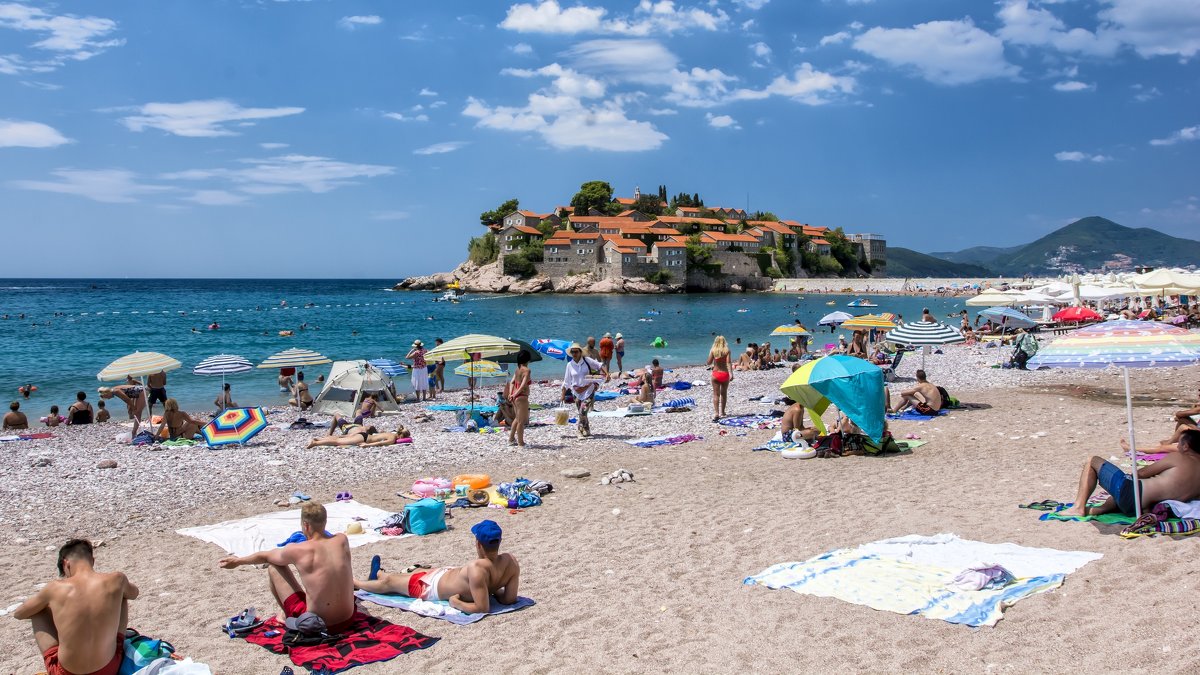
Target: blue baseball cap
column 486, row 531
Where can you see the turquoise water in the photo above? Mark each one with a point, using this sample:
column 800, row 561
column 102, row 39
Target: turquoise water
column 83, row 325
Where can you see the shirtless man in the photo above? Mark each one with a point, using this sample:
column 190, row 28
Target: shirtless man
column 15, row 419
column 158, row 389
column 793, row 420
column 1176, row 476
column 468, row 588
column 924, row 397
column 324, row 566
column 79, row 620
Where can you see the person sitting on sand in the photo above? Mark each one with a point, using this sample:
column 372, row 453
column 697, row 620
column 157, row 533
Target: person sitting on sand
column 102, row 414
column 224, row 400
column 1186, row 419
column 746, row 361
column 178, row 423
column 53, row 419
column 80, row 411
column 1175, row 476
column 924, row 397
column 367, row 408
column 469, row 588
column 15, row 419
column 323, row 562
column 79, row 621
column 858, row 345
column 793, row 420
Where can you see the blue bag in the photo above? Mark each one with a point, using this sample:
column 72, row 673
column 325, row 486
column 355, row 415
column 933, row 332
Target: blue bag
column 425, row 516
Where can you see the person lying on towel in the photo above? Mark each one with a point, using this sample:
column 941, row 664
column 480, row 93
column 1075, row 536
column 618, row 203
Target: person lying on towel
column 324, row 566
column 79, row 620
column 468, row 588
column 924, row 397
column 1175, row 476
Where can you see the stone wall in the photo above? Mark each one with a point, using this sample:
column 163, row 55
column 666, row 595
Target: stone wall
column 557, row 270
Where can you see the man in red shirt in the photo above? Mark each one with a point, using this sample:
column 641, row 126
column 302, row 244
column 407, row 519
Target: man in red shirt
column 606, row 352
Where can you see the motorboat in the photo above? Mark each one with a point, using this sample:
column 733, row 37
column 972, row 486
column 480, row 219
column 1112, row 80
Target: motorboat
column 861, row 302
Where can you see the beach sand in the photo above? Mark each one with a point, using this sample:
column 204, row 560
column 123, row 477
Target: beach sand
column 658, row 587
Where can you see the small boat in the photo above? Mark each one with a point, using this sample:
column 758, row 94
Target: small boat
column 861, row 302
column 831, row 303
column 451, row 295
column 743, row 311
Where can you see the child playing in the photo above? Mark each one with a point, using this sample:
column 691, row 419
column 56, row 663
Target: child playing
column 102, row 414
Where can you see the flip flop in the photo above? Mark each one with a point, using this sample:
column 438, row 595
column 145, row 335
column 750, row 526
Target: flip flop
column 1044, row 505
column 375, row 568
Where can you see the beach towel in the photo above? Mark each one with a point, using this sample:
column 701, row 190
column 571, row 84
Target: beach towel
column 909, row 575
column 606, row 395
column 681, row 402
column 912, row 414
column 264, row 531
column 619, row 412
column 26, row 437
column 440, row 609
column 1182, row 526
column 657, row 441
column 780, row 446
column 752, row 421
column 367, row 639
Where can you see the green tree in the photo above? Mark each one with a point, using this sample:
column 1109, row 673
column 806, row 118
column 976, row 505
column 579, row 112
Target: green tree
column 828, row 265
column 698, row 254
column 659, row 277
column 843, row 251
column 500, row 213
column 546, row 228
column 651, row 206
column 765, row 215
column 483, row 250
column 595, row 194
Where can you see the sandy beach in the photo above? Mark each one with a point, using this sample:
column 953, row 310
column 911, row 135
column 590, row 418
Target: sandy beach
column 656, row 587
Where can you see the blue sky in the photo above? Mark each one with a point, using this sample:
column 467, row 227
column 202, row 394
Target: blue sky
column 339, row 138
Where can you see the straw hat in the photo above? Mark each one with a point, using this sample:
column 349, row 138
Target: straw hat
column 418, row 343
column 354, row 528
column 574, row 346
column 619, row 336
column 606, row 334
column 479, row 497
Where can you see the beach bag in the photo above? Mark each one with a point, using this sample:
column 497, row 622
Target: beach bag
column 425, row 516
column 946, row 400
column 141, row 651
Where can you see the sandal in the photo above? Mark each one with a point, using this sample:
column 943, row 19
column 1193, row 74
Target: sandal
column 376, row 567
column 1044, row 505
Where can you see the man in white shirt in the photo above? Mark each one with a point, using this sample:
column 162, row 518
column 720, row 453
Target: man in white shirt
column 580, row 382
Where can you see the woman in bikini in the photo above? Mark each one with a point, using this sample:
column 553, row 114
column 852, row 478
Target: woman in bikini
column 178, row 423
column 518, row 394
column 355, row 435
column 386, row 438
column 132, row 394
column 718, row 358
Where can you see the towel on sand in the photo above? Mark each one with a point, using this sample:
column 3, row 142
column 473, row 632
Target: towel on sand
column 264, row 531
column 367, row 639
column 780, row 446
column 440, row 609
column 1167, row 526
column 752, row 421
column 908, row 575
column 656, row 441
column 912, row 414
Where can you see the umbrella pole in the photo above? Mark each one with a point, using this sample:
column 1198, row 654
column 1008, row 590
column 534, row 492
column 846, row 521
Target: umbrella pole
column 1137, row 488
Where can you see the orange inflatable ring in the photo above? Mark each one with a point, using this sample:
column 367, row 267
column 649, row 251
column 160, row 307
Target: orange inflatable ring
column 475, row 481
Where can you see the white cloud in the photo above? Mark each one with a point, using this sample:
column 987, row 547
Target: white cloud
column 198, row 119
column 1144, row 93
column 285, row 173
column 35, row 84
column 1038, row 27
column 436, row 104
column 440, row 148
column 1183, row 135
column 1076, row 156
column 22, row 134
column 662, row 112
column 639, row 61
column 566, row 80
column 805, row 85
column 649, row 17
column 752, row 5
column 1156, row 27
column 352, row 22
column 837, row 38
column 272, row 146
column 66, row 37
column 401, row 117
column 1073, row 85
column 943, row 52
column 113, row 186
column 522, row 49
column 762, row 54
column 425, row 91
column 390, row 215
column 216, row 198
column 721, row 121
column 748, row 25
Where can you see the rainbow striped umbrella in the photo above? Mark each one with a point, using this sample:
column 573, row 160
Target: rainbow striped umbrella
column 236, row 425
column 869, row 321
column 1125, row 344
column 790, row 329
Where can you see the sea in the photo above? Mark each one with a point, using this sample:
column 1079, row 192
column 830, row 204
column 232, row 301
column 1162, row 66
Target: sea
column 73, row 328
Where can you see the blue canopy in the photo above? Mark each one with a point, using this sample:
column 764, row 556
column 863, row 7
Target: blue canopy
column 555, row 349
column 1007, row 316
column 854, row 385
column 388, row 367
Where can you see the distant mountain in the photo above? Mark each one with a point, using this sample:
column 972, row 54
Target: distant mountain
column 1084, row 245
column 904, row 262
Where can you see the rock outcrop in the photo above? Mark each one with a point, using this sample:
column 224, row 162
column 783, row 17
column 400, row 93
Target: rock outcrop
column 490, row 278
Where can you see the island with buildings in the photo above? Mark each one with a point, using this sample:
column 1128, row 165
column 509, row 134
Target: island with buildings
column 650, row 244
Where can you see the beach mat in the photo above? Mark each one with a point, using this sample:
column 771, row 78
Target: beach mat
column 1171, row 526
column 440, row 609
column 658, row 441
column 908, row 575
column 367, row 639
column 912, row 414
column 263, row 532
column 26, row 437
column 752, row 421
column 780, row 446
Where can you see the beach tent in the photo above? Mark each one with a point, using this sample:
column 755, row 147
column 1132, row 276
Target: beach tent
column 348, row 383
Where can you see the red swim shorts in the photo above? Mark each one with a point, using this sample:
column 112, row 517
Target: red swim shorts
column 296, row 604
column 416, row 588
column 53, row 667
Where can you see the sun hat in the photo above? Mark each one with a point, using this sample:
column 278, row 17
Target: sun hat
column 607, row 334
column 479, row 497
column 418, row 343
column 574, row 346
column 619, row 336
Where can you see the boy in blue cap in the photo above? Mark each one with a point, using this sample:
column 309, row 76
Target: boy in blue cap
column 468, row 588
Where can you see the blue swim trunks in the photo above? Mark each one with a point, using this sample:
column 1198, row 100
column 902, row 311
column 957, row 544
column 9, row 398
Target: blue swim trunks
column 1118, row 484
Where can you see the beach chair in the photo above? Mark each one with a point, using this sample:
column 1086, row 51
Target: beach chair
column 889, row 371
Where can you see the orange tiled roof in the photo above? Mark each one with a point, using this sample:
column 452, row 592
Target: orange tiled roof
column 601, row 219
column 687, row 219
column 731, row 238
column 670, row 244
column 820, row 242
column 625, row 201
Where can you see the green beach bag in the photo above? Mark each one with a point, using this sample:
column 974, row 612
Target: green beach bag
column 425, row 516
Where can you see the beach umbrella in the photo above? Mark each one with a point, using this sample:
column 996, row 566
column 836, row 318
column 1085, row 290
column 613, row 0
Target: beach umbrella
column 835, row 318
column 294, row 358
column 389, row 367
column 223, row 364
column 925, row 333
column 461, row 348
column 476, row 369
column 869, row 321
column 1164, row 281
column 534, row 355
column 137, row 364
column 791, row 330
column 236, row 425
column 854, row 385
column 555, row 349
column 1124, row 344
column 991, row 298
column 1076, row 314
column 1006, row 316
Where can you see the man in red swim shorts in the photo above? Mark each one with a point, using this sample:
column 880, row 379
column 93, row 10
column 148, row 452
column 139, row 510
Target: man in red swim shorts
column 75, row 618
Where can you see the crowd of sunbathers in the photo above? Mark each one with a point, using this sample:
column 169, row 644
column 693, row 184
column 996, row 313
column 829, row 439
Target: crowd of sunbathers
column 79, row 619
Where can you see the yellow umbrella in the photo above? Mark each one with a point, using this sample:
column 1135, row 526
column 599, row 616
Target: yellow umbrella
column 138, row 364
column 461, row 348
column 869, row 321
column 480, row 369
column 790, row 329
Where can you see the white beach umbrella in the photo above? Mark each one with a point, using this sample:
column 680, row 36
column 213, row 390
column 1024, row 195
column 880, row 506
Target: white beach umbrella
column 924, row 333
column 137, row 364
column 991, row 298
column 294, row 358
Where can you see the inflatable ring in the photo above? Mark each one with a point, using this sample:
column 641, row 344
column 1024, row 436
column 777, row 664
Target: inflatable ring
column 803, row 451
column 21, row 390
column 286, row 333
column 475, row 481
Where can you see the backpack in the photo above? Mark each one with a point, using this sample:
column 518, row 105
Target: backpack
column 945, row 398
column 425, row 516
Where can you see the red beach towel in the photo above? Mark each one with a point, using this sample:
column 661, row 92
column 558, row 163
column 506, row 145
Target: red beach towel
column 367, row 639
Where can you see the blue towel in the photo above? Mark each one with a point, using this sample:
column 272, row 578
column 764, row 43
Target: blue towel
column 912, row 414
column 681, row 386
column 682, row 402
column 296, row 538
column 606, row 395
column 458, row 618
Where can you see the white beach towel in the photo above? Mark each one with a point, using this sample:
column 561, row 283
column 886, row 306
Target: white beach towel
column 949, row 552
column 1184, row 509
column 265, row 531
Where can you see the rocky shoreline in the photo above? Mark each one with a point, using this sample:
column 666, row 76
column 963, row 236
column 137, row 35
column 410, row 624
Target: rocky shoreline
column 490, row 278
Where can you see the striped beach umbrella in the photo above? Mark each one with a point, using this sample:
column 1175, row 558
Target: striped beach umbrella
column 137, row 364
column 854, row 385
column 480, row 369
column 223, row 364
column 869, row 321
column 790, row 330
column 461, row 348
column 236, row 425
column 389, row 367
column 925, row 333
column 1124, row 344
column 294, row 358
